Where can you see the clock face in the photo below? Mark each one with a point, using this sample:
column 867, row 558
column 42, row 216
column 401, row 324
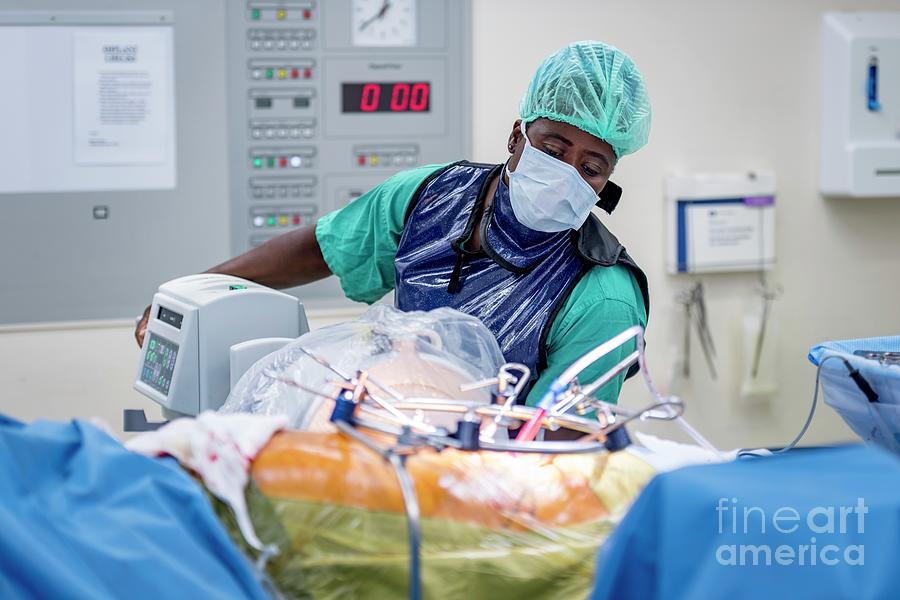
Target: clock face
column 383, row 22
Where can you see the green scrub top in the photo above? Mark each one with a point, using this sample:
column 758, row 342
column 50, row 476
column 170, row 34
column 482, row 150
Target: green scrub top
column 360, row 241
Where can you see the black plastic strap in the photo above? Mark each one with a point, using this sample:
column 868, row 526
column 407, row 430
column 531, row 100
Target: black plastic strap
column 609, row 197
column 455, row 284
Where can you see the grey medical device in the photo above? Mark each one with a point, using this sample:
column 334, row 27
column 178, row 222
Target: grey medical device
column 329, row 99
column 282, row 111
column 194, row 321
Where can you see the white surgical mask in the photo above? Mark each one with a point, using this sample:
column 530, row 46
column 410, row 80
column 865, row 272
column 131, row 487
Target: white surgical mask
column 548, row 194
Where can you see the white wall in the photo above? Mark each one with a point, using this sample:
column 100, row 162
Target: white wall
column 734, row 86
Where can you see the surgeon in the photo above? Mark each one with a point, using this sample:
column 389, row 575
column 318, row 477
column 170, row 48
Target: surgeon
column 514, row 244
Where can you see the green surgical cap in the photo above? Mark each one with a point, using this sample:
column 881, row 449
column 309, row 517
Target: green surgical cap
column 596, row 88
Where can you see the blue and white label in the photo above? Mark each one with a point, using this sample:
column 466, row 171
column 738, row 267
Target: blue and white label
column 725, row 234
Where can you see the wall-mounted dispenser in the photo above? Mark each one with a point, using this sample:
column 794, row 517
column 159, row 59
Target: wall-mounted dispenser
column 860, row 112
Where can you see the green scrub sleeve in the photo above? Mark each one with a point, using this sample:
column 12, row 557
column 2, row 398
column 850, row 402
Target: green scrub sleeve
column 604, row 303
column 359, row 241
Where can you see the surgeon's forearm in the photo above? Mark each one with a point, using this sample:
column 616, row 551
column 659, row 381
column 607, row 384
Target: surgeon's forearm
column 285, row 261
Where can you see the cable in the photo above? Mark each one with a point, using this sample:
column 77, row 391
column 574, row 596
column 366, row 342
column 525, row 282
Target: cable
column 857, row 378
column 411, row 504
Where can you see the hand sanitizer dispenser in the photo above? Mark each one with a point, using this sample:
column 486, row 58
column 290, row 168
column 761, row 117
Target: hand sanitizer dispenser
column 860, row 128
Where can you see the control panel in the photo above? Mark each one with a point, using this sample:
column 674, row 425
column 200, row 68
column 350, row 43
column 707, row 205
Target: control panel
column 329, row 99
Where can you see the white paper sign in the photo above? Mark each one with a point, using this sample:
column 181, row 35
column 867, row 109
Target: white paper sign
column 728, row 235
column 122, row 97
column 721, row 222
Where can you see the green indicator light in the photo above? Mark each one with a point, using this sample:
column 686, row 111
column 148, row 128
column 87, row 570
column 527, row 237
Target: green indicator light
column 271, row 221
column 270, row 162
column 254, row 14
column 270, row 73
column 237, row 286
column 257, row 163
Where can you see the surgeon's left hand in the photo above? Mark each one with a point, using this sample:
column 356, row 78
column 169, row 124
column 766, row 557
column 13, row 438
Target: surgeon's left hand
column 140, row 329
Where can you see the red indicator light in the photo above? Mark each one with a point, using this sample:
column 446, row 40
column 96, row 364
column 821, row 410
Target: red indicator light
column 296, row 220
column 307, row 73
column 295, row 73
column 307, row 14
column 282, row 162
column 361, row 159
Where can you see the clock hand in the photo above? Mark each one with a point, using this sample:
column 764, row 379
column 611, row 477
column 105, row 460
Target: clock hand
column 379, row 15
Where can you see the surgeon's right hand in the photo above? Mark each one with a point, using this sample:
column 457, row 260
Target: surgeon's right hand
column 140, row 330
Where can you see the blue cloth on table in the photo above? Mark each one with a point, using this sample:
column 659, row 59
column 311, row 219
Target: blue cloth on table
column 82, row 517
column 672, row 544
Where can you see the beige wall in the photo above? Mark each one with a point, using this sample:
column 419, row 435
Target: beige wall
column 734, row 87
column 83, row 369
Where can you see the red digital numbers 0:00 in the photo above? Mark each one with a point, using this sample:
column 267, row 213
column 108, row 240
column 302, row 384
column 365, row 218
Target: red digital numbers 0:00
column 404, row 96
column 386, row 97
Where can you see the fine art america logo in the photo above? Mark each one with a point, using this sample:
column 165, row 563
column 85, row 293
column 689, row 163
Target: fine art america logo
column 788, row 525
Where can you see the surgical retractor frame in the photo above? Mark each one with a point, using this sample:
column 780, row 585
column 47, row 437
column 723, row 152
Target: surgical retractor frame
column 362, row 397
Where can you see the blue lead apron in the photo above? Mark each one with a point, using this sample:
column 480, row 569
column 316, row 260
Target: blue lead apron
column 520, row 278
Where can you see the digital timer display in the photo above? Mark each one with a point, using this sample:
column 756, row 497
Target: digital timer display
column 384, row 96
